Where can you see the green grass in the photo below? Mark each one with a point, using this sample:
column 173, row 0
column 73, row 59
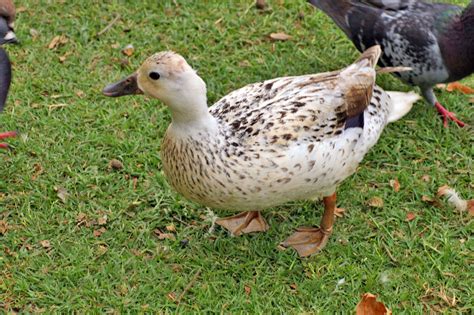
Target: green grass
column 127, row 268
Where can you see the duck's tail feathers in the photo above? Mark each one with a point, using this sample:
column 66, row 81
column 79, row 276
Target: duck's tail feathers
column 337, row 10
column 401, row 104
column 369, row 57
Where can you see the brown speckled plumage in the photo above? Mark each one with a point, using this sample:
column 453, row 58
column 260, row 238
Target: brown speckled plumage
column 270, row 142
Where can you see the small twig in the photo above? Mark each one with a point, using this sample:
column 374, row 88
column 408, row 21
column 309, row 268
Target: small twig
column 117, row 17
column 189, row 286
column 179, row 220
column 389, row 253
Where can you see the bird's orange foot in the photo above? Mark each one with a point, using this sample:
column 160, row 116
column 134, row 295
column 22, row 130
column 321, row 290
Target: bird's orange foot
column 5, row 135
column 445, row 114
column 339, row 212
column 245, row 222
column 308, row 240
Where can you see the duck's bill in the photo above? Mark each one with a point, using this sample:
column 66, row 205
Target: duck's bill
column 127, row 86
column 4, row 135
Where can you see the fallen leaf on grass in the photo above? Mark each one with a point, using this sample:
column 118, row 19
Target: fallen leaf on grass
column 62, row 193
column 395, row 185
column 21, row 9
column 456, row 201
column 293, row 286
column 375, row 202
column 45, row 243
column 102, row 220
column 426, row 178
column 3, row 227
column 115, row 164
column 163, row 236
column 431, row 201
column 171, row 228
column 471, row 100
column 280, row 36
column 38, row 171
column 370, row 306
column 128, row 50
column 260, row 4
column 247, row 290
column 63, row 58
column 58, row 41
column 410, row 216
column 80, row 93
column 456, row 86
column 99, row 232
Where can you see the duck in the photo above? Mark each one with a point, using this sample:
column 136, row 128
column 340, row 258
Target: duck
column 267, row 143
column 5, row 80
column 7, row 36
column 436, row 40
column 7, row 22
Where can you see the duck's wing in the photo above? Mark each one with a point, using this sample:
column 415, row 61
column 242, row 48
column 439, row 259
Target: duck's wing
column 5, row 77
column 306, row 108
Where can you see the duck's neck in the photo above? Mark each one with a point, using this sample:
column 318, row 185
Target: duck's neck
column 193, row 116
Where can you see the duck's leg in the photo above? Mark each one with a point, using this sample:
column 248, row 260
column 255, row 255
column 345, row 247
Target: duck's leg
column 429, row 95
column 309, row 240
column 445, row 114
column 5, row 135
column 245, row 222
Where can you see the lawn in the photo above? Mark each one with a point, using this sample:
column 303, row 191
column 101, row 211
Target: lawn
column 81, row 236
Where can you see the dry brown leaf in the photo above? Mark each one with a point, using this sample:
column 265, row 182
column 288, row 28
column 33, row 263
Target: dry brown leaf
column 63, row 58
column 456, row 86
column 128, row 50
column 99, row 232
column 80, row 93
column 247, row 290
column 293, row 286
column 260, row 4
column 395, row 184
column 410, row 216
column 116, row 164
column 280, row 36
column 171, row 228
column 58, row 41
column 163, row 236
column 471, row 100
column 38, row 171
column 102, row 249
column 426, row 178
column 375, row 202
column 81, row 218
column 62, row 193
column 370, row 306
column 3, row 227
column 45, row 243
column 102, row 220
column 21, row 9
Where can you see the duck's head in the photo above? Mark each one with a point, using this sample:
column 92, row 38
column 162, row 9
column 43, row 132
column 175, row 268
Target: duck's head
column 168, row 77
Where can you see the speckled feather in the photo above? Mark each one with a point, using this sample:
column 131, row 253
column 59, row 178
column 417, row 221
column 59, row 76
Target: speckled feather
column 279, row 140
column 436, row 40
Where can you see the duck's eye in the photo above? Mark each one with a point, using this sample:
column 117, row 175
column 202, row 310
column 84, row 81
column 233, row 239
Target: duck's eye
column 154, row 75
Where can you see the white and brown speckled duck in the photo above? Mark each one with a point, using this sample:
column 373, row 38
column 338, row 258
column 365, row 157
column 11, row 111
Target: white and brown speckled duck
column 267, row 143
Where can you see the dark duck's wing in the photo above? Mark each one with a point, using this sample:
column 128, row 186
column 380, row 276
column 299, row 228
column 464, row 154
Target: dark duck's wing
column 5, row 80
column 412, row 34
